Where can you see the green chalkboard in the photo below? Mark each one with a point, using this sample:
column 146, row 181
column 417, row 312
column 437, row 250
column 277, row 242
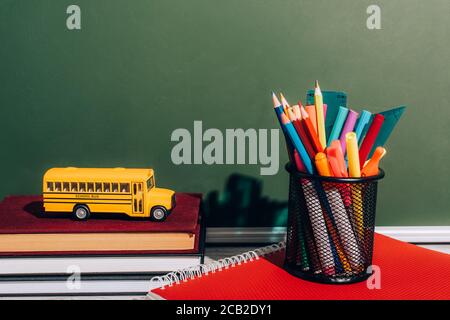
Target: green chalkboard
column 112, row 93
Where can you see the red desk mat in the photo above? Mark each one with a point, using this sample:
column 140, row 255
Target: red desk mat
column 407, row 272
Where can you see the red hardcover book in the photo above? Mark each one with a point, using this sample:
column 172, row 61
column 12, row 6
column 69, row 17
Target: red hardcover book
column 406, row 272
column 22, row 216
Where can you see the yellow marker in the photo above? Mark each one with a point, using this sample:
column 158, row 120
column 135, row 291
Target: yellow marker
column 318, row 102
column 322, row 164
column 353, row 155
column 371, row 167
column 354, row 171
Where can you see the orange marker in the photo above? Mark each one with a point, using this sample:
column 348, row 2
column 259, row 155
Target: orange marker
column 339, row 169
column 310, row 130
column 322, row 164
column 311, row 110
column 371, row 167
column 336, row 159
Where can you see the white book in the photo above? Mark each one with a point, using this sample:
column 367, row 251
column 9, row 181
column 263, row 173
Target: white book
column 16, row 266
column 70, row 288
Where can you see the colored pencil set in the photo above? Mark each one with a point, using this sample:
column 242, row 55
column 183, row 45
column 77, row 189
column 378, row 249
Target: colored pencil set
column 340, row 153
column 340, row 223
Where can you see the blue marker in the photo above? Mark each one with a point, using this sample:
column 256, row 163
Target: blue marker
column 363, row 120
column 364, row 131
column 338, row 124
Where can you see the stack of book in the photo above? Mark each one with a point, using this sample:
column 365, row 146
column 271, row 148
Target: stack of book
column 42, row 254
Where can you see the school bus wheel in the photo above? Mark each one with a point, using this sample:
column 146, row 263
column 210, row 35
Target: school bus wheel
column 81, row 212
column 158, row 213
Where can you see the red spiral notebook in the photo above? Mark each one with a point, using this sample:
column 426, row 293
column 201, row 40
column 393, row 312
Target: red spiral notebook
column 407, row 272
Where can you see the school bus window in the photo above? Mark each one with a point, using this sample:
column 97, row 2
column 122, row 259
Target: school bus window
column 49, row 186
column 106, row 187
column 66, row 187
column 73, row 187
column 124, row 187
column 115, row 187
column 57, row 186
column 98, row 187
column 134, row 189
column 90, row 187
column 150, row 183
column 140, row 186
column 82, row 187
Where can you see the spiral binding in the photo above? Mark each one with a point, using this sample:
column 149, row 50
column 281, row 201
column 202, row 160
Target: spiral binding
column 183, row 275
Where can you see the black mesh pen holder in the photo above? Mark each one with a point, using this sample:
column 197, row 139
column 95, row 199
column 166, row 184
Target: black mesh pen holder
column 331, row 223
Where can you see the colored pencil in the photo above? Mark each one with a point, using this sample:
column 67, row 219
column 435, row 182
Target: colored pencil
column 295, row 139
column 278, row 108
column 293, row 116
column 320, row 118
column 306, row 121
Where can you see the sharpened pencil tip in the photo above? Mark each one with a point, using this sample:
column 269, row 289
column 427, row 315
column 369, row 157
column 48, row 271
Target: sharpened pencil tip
column 297, row 111
column 304, row 113
column 317, row 91
column 291, row 114
column 283, row 100
column 276, row 102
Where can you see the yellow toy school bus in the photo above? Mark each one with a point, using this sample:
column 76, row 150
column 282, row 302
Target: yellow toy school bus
column 82, row 191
